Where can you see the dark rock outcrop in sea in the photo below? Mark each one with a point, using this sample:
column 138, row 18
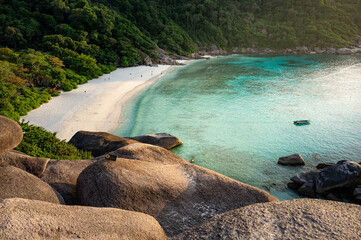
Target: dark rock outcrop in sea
column 164, row 140
column 16, row 183
column 30, row 219
column 33, row 165
column 291, row 160
column 295, row 219
column 62, row 175
column 98, row 143
column 342, row 174
column 11, row 134
column 152, row 180
column 333, row 181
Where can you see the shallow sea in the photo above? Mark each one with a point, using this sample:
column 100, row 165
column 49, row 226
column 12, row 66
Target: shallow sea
column 235, row 114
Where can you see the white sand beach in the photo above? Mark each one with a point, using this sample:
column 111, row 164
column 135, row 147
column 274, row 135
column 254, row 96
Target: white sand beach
column 96, row 105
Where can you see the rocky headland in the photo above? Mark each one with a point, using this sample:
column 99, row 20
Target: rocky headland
column 137, row 189
column 213, row 50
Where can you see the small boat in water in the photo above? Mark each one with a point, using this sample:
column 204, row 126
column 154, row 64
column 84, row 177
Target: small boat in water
column 301, row 122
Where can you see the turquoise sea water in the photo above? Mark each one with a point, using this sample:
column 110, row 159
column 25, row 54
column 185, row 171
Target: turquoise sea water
column 235, row 114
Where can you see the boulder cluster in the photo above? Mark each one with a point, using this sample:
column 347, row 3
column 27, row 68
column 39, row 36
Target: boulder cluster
column 340, row 181
column 144, row 191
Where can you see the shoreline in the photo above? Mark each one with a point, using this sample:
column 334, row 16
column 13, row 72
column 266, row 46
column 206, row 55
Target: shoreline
column 91, row 107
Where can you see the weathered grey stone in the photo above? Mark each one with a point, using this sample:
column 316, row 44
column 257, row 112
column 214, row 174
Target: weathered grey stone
column 249, row 51
column 157, row 182
column 161, row 53
column 304, row 177
column 62, row 176
column 344, row 51
column 293, row 185
column 164, row 140
column 302, row 49
column 196, row 55
column 305, row 219
column 357, row 191
column 307, row 189
column 324, row 165
column 148, row 61
column 292, row 160
column 30, row 219
column 356, row 50
column 33, row 165
column 319, row 50
column 16, row 183
column 332, row 196
column 342, row 174
column 288, row 50
column 98, row 143
column 331, row 50
column 11, row 134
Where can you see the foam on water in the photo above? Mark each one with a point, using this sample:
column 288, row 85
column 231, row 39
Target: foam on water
column 235, row 114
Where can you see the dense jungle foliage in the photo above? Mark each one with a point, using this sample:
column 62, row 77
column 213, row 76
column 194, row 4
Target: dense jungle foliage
column 38, row 142
column 47, row 45
column 275, row 24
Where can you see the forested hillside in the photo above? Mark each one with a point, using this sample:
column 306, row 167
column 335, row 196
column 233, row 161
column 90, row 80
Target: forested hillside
column 47, row 45
column 177, row 25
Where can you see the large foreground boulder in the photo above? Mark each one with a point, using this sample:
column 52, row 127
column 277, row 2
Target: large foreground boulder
column 152, row 180
column 294, row 219
column 62, row 176
column 98, row 143
column 29, row 219
column 11, row 134
column 164, row 140
column 33, row 165
column 16, row 183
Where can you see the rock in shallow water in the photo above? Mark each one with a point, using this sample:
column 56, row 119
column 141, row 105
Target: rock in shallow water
column 30, row 219
column 291, row 160
column 11, row 134
column 16, row 183
column 295, row 219
column 155, row 181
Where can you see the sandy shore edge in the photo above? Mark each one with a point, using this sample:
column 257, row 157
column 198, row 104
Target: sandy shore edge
column 96, row 105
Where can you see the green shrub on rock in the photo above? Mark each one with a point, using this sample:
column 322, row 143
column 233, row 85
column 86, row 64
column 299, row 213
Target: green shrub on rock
column 38, row 142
